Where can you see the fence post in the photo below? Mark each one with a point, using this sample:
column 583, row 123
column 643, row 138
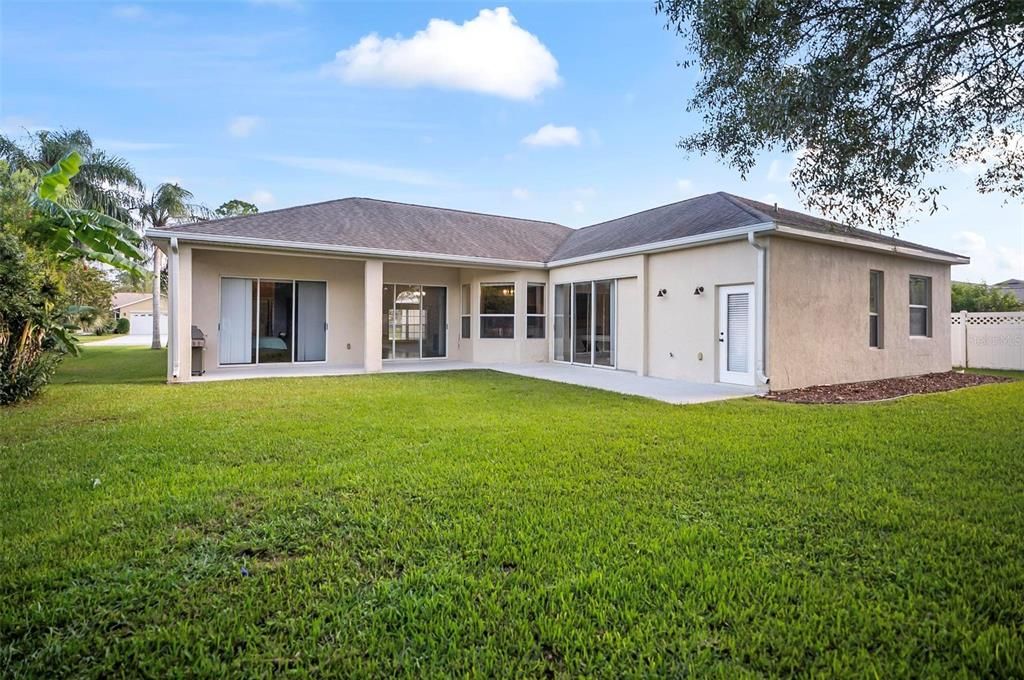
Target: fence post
column 963, row 323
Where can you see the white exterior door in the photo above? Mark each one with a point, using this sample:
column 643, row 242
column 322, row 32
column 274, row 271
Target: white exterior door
column 736, row 335
column 141, row 323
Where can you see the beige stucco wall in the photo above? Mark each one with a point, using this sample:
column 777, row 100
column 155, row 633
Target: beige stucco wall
column 344, row 295
column 627, row 272
column 818, row 315
column 683, row 327
column 143, row 307
column 519, row 349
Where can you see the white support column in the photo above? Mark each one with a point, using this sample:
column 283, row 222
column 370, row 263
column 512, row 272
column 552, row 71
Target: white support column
column 179, row 322
column 964, row 358
column 373, row 293
column 645, row 310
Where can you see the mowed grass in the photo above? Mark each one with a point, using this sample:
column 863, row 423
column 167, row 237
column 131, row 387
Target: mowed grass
column 474, row 523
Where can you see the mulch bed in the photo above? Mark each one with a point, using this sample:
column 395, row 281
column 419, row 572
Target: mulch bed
column 889, row 388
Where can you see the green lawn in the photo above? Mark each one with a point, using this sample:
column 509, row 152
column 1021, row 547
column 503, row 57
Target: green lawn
column 484, row 524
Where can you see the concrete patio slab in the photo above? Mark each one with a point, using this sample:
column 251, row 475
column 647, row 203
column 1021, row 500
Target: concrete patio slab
column 622, row 382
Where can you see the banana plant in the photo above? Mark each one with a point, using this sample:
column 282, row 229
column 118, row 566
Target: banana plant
column 73, row 232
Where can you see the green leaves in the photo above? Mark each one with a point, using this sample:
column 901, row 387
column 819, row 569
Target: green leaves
column 72, row 232
column 53, row 186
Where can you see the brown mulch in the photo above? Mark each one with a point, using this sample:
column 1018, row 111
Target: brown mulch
column 889, row 388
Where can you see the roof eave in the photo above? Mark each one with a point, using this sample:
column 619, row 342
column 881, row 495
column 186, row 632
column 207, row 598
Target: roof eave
column 352, row 251
column 863, row 244
column 670, row 244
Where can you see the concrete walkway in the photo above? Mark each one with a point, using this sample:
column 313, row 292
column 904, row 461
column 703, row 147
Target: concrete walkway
column 128, row 341
column 623, row 382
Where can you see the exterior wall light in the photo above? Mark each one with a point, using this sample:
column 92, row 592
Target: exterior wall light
column 699, row 290
column 662, row 293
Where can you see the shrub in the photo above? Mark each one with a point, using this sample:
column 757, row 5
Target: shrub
column 28, row 353
column 122, row 326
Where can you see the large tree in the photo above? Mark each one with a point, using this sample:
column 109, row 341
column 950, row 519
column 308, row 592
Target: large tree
column 234, row 207
column 167, row 204
column 873, row 96
column 104, row 183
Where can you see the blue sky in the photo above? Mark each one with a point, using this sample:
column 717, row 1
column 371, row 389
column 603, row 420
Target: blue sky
column 566, row 111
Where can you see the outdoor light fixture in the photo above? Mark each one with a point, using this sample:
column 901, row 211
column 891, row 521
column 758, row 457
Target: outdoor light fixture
column 662, row 293
column 699, row 290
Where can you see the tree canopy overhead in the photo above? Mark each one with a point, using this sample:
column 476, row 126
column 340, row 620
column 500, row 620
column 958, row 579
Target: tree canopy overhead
column 872, row 96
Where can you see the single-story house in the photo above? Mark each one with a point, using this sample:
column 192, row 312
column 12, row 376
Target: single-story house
column 716, row 288
column 138, row 309
column 1014, row 287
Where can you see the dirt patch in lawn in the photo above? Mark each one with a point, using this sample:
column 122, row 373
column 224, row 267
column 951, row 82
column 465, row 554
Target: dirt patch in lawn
column 889, row 388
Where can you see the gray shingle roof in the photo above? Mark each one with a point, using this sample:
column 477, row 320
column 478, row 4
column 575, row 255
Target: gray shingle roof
column 385, row 225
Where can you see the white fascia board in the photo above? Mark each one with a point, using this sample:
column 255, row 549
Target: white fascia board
column 854, row 242
column 442, row 258
column 671, row 244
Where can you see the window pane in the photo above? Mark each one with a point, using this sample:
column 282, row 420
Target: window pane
column 497, row 298
column 918, row 321
column 535, row 326
column 466, row 322
column 604, row 334
column 310, row 321
column 873, row 331
column 274, row 327
column 563, row 333
column 919, row 290
column 387, row 313
column 497, row 326
column 465, row 298
column 583, row 346
column 876, row 289
column 535, row 298
column 435, row 321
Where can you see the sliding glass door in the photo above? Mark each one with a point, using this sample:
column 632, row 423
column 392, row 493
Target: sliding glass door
column 585, row 323
column 415, row 321
column 263, row 321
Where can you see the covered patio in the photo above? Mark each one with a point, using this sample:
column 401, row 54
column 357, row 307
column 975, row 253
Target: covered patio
column 622, row 382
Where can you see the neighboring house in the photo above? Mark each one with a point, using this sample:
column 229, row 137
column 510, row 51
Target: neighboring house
column 716, row 288
column 138, row 309
column 1013, row 286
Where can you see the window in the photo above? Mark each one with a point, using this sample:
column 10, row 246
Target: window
column 563, row 321
column 875, row 309
column 466, row 313
column 920, row 306
column 497, row 310
column 535, row 310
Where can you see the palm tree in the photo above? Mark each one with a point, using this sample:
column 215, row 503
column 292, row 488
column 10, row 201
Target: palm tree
column 104, row 183
column 167, row 204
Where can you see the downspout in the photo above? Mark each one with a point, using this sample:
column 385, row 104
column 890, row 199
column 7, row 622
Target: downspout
column 172, row 285
column 760, row 300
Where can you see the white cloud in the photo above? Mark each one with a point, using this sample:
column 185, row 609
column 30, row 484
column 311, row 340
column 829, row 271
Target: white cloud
column 489, row 54
column 553, row 135
column 262, row 198
column 989, row 263
column 243, row 126
column 130, row 12
column 344, row 166
column 578, row 207
column 586, row 192
column 685, row 187
column 521, row 194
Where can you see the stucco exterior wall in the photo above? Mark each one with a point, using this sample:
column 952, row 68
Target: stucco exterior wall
column 519, row 349
column 682, row 327
column 344, row 295
column 818, row 315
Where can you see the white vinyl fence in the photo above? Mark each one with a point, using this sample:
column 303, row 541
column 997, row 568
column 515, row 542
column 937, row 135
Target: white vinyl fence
column 988, row 340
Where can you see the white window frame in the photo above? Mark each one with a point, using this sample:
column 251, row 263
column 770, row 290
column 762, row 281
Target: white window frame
column 465, row 312
column 926, row 307
column 542, row 316
column 879, row 323
column 256, row 311
column 497, row 284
